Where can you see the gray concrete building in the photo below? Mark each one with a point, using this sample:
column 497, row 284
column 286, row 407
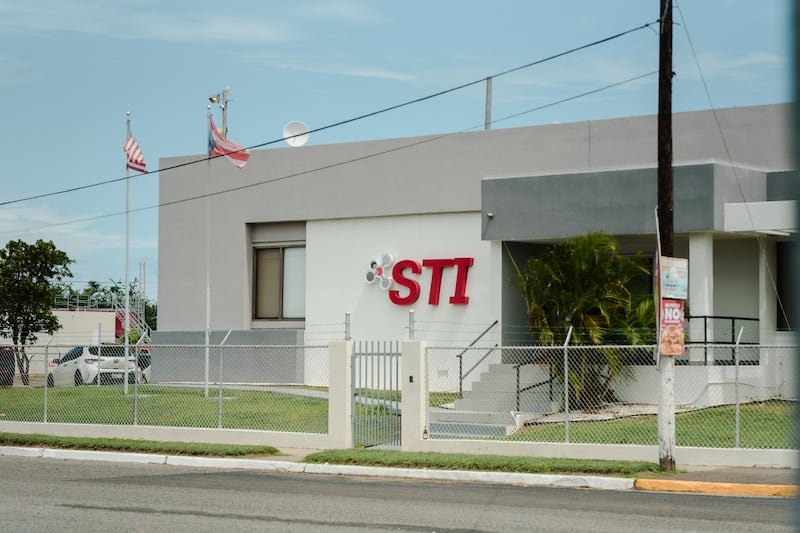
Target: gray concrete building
column 289, row 239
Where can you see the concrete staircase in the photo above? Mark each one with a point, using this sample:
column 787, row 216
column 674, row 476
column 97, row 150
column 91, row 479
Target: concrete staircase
column 490, row 409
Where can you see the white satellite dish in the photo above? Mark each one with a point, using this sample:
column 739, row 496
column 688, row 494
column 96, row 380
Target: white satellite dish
column 295, row 133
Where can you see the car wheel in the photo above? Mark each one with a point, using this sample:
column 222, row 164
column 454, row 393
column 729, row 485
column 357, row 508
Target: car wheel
column 78, row 378
column 50, row 382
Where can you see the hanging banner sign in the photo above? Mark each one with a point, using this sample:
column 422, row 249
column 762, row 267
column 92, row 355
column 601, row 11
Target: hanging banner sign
column 672, row 328
column 674, row 276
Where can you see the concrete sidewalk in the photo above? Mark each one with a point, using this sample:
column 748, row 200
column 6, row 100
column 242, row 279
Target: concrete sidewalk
column 776, row 482
column 727, row 480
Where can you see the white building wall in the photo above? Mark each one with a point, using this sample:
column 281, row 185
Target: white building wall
column 736, row 271
column 82, row 327
column 338, row 254
column 77, row 328
column 708, row 386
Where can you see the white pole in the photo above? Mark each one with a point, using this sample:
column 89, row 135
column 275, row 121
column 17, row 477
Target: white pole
column 142, row 296
column 665, row 366
column 127, row 252
column 566, row 385
column 219, row 393
column 666, row 411
column 99, row 351
column 736, row 362
column 224, row 107
column 488, row 117
column 208, row 261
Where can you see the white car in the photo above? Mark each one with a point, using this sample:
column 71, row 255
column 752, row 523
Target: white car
column 145, row 368
column 88, row 364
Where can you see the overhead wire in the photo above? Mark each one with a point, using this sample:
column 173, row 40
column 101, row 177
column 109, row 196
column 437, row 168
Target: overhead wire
column 346, row 121
column 730, row 157
column 417, row 142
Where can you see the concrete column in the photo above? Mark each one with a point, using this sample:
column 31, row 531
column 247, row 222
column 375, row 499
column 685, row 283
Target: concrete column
column 701, row 289
column 340, row 394
column 414, row 386
column 767, row 288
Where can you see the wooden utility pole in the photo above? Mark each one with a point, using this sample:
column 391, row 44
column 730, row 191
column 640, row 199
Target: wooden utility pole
column 666, row 405
column 665, row 226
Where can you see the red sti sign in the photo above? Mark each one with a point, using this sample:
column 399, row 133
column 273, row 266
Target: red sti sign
column 404, row 272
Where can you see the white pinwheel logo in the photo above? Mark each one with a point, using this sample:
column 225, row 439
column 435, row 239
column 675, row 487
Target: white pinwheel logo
column 379, row 271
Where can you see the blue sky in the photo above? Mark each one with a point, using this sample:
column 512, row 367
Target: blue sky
column 71, row 69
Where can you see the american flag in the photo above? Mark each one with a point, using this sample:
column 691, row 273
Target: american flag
column 219, row 145
column 135, row 157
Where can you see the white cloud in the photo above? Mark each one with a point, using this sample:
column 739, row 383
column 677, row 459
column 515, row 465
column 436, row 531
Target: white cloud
column 96, row 247
column 353, row 11
column 341, row 68
column 21, row 221
column 13, row 71
column 745, row 66
column 143, row 20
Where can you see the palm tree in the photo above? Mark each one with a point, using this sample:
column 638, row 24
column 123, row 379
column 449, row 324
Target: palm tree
column 585, row 284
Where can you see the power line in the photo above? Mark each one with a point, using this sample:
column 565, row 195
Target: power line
column 734, row 169
column 350, row 120
column 418, row 142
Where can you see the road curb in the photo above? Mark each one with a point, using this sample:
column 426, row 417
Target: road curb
column 269, row 465
column 499, row 478
column 718, row 488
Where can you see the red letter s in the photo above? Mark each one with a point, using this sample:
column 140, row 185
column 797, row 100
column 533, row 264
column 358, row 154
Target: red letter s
column 410, row 284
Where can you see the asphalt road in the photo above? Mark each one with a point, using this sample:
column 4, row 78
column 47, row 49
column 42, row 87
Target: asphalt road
column 39, row 494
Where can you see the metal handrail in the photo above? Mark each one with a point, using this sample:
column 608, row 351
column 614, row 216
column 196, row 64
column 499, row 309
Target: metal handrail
column 733, row 342
column 460, row 356
column 529, row 387
column 550, row 381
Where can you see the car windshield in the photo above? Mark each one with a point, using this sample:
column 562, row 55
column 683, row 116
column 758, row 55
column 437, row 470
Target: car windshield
column 112, row 350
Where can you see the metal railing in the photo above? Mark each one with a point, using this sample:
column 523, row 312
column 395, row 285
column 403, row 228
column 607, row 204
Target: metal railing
column 717, row 406
column 724, row 336
column 463, row 375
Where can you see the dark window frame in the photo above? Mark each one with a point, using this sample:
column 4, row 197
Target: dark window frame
column 256, row 288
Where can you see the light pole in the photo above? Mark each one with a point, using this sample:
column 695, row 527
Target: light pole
column 222, row 100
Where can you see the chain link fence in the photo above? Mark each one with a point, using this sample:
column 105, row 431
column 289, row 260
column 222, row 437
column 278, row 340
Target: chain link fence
column 725, row 396
column 274, row 388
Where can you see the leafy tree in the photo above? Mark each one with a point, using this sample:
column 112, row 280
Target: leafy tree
column 29, row 281
column 151, row 314
column 585, row 284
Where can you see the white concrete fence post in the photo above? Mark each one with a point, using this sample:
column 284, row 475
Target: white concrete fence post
column 414, row 387
column 340, row 395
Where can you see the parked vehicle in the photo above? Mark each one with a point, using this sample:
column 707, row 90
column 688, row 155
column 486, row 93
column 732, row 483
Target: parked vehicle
column 7, row 367
column 144, row 361
column 91, row 364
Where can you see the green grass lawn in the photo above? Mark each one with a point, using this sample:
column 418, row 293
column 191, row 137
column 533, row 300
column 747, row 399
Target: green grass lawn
column 442, row 461
column 762, row 425
column 162, row 406
column 486, row 463
column 766, row 425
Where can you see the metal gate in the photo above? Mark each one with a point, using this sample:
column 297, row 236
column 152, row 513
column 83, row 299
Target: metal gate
column 376, row 394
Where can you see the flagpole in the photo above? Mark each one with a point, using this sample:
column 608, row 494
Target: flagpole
column 127, row 260
column 208, row 256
